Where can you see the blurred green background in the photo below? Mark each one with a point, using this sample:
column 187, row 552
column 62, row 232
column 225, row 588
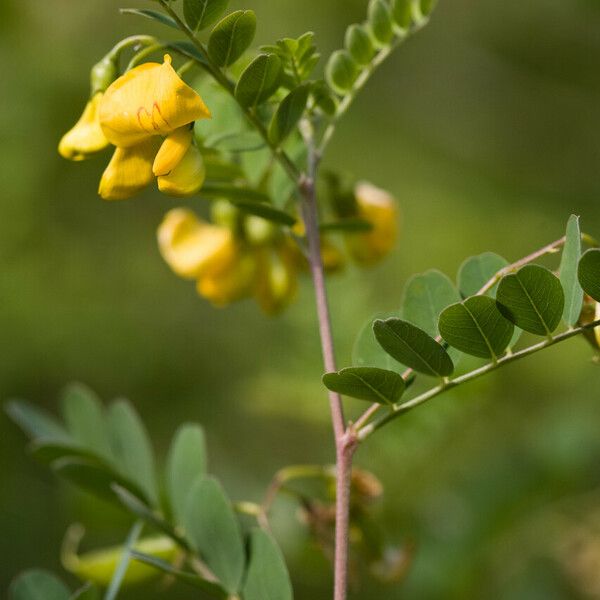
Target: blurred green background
column 486, row 128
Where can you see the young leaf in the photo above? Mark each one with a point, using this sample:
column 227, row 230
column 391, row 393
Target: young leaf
column 37, row 423
column 212, row 589
column 214, row 532
column 199, row 14
column 380, row 21
column 341, row 72
column 151, row 14
column 359, row 44
column 366, row 383
column 267, row 577
column 588, row 273
column 84, row 415
column 48, row 452
column 259, row 81
column 185, row 463
column 532, row 298
column 568, row 272
column 37, row 584
column 231, row 37
column 366, row 352
column 402, row 13
column 476, row 327
column 132, row 448
column 323, row 97
column 427, row 7
column 425, row 297
column 476, row 271
column 413, row 347
column 288, row 114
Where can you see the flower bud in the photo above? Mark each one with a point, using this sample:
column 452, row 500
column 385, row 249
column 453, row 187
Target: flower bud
column 103, row 73
column 259, row 231
column 224, row 213
column 276, row 280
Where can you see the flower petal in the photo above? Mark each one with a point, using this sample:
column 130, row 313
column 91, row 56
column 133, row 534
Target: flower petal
column 150, row 99
column 191, row 247
column 172, row 150
column 187, row 177
column 85, row 138
column 129, row 171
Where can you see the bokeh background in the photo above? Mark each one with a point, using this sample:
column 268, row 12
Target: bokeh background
column 486, row 128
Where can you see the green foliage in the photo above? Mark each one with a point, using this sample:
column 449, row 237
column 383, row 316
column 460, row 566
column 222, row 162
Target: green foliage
column 231, row 37
column 588, row 273
column 413, row 347
column 380, row 21
column 402, row 13
column 38, row 585
column 288, row 114
column 476, row 326
column 259, row 81
column 366, row 383
column 199, row 14
column 154, row 15
column 87, row 592
column 266, row 211
column 298, row 58
column 214, row 532
column 367, row 352
column 36, row 422
column 359, row 44
column 568, row 272
column 476, row 271
column 186, row 461
column 341, row 72
column 267, row 577
column 532, row 298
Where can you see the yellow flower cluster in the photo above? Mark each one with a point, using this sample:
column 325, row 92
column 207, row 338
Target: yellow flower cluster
column 148, row 115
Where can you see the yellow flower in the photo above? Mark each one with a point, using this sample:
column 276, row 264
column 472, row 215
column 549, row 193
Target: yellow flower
column 377, row 207
column 85, row 138
column 172, row 150
column 129, row 171
column 149, row 100
column 277, row 279
column 186, row 177
column 194, row 248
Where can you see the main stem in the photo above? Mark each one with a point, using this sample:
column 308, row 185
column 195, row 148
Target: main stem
column 345, row 440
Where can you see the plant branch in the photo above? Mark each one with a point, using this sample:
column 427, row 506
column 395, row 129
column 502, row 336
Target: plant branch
column 280, row 155
column 399, row 409
column 121, row 570
column 362, row 80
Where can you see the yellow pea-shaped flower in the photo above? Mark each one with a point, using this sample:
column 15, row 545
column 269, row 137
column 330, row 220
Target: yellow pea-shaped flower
column 192, row 247
column 172, row 150
column 86, row 137
column 186, row 177
column 148, row 100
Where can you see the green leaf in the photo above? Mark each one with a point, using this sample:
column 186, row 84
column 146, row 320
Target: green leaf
column 341, row 72
column 95, row 478
column 367, row 352
column 476, row 327
column 132, row 448
column 425, row 296
column 151, row 14
column 231, row 37
column 402, row 13
column 349, row 224
column 214, row 532
column 588, row 273
column 185, row 463
column 266, row 211
column 413, row 347
column 359, row 44
column 214, row 191
column 532, row 298
column 189, row 50
column 259, row 81
column 199, row 14
column 35, row 422
column 568, row 272
column 267, row 577
column 48, row 452
column 476, row 271
column 366, row 383
column 427, row 7
column 212, row 589
column 88, row 592
column 323, row 97
column 84, row 415
column 380, row 21
column 37, row 584
column 288, row 114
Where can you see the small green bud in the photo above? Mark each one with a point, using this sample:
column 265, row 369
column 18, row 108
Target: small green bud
column 402, row 13
column 224, row 213
column 341, row 72
column 103, row 73
column 358, row 42
column 427, row 7
column 259, row 231
column 380, row 21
